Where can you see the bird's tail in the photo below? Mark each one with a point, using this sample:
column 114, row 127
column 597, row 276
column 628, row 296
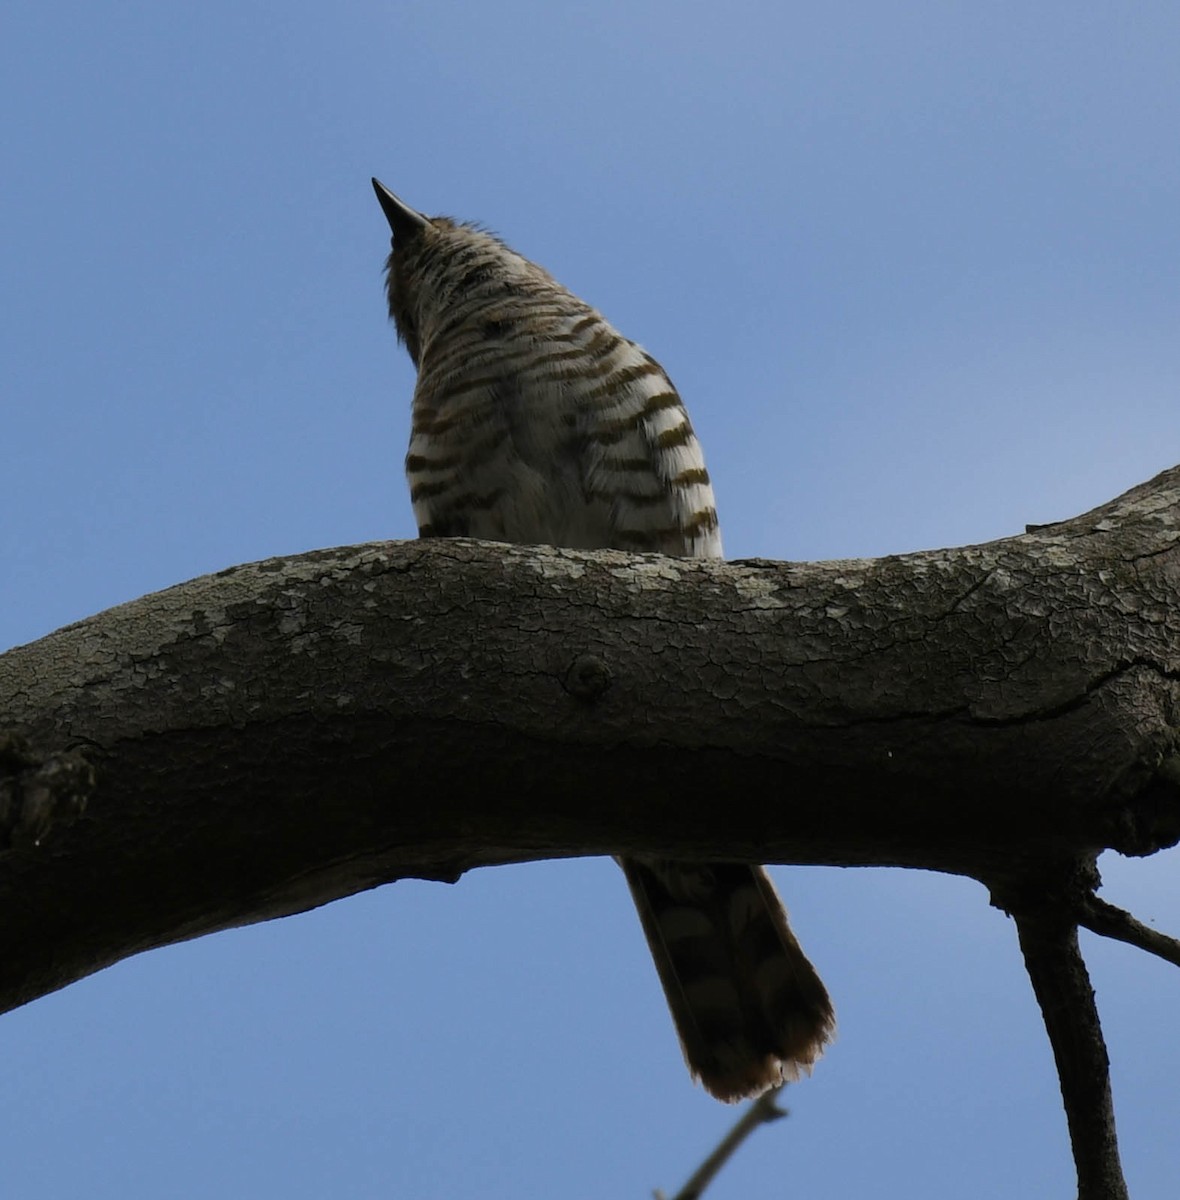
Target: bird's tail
column 750, row 1009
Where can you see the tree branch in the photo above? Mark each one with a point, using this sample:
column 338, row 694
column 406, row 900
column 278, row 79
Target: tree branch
column 758, row 1112
column 1100, row 917
column 261, row 737
column 1049, row 942
column 278, row 735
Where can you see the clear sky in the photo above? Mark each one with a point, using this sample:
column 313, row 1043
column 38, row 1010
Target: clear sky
column 915, row 269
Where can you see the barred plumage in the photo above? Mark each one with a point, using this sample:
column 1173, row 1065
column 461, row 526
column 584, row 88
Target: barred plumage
column 535, row 421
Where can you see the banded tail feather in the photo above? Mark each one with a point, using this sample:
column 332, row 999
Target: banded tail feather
column 749, row 1007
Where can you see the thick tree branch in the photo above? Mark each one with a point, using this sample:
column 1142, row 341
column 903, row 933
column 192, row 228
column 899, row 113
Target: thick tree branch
column 288, row 732
column 273, row 737
column 281, row 734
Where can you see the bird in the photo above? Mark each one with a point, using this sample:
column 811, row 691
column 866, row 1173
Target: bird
column 534, row 421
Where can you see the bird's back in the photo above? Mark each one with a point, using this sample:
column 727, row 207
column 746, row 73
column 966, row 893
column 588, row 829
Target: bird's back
column 535, row 421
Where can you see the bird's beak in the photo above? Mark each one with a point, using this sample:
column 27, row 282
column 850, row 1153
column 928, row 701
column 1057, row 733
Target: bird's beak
column 403, row 220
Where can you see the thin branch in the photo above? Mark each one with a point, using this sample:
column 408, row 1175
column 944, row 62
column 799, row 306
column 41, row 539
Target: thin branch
column 1106, row 919
column 760, row 1112
column 1049, row 942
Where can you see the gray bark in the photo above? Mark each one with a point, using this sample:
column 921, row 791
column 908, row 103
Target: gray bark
column 288, row 732
column 281, row 734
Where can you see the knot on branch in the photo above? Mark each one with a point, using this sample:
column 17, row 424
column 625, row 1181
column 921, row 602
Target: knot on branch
column 1151, row 821
column 1048, row 888
column 39, row 793
column 588, row 677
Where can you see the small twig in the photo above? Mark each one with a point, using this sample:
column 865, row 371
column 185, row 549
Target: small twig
column 1049, row 942
column 1110, row 921
column 761, row 1111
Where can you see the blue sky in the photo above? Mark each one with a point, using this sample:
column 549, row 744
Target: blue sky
column 915, row 269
